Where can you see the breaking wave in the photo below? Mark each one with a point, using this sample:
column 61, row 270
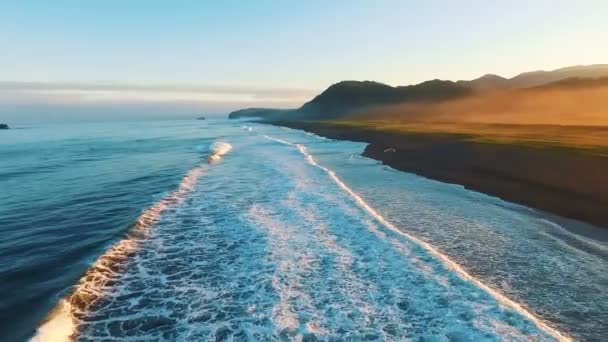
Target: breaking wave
column 219, row 149
column 326, row 264
column 98, row 281
column 451, row 265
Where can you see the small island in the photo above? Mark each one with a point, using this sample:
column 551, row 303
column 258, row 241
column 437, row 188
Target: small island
column 4, row 126
column 201, row 118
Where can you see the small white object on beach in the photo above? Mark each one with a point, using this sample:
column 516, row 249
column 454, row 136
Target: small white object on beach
column 390, row 149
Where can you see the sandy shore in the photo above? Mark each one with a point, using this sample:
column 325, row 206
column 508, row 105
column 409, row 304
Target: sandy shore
column 569, row 184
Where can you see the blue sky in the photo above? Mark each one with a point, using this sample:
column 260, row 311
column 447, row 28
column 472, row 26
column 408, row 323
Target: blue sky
column 284, row 50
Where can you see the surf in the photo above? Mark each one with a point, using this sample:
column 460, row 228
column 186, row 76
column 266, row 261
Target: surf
column 218, row 150
column 445, row 260
column 63, row 321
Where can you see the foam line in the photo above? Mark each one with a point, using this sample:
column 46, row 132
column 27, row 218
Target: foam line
column 453, row 266
column 62, row 323
column 219, row 149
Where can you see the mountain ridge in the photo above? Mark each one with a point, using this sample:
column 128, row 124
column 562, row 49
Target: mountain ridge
column 350, row 97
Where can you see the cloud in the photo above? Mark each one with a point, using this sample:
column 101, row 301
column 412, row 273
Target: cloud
column 66, row 93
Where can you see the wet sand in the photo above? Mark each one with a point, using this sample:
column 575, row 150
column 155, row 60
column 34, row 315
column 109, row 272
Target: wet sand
column 559, row 181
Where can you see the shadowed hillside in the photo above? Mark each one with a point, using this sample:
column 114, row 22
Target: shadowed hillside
column 568, row 102
column 349, row 98
column 545, row 146
column 537, row 78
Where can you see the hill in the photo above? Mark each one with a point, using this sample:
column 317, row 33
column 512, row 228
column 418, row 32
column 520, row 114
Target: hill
column 537, row 78
column 539, row 139
column 488, row 81
column 352, row 98
column 575, row 83
column 570, row 102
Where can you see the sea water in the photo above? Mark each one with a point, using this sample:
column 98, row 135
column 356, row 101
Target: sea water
column 218, row 229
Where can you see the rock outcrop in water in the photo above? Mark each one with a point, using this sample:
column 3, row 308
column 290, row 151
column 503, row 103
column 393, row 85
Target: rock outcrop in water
column 4, row 126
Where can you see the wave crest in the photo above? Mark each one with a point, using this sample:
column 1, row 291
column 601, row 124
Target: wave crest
column 219, row 149
column 63, row 322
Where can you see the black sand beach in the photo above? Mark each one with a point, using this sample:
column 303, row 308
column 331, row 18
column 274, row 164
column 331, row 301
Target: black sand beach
column 566, row 183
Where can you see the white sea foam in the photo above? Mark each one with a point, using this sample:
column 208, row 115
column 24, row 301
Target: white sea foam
column 294, row 265
column 219, row 149
column 62, row 323
column 453, row 266
column 602, row 247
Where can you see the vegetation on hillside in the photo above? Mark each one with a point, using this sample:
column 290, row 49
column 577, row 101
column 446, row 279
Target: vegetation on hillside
column 568, row 109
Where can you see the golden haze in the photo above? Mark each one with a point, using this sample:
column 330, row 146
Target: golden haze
column 575, row 118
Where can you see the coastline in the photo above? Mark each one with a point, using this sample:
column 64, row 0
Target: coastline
column 560, row 182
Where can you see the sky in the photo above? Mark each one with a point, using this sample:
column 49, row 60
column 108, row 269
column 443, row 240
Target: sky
column 101, row 57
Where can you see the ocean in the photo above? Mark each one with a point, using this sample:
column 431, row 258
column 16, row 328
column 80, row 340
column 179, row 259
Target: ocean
column 233, row 230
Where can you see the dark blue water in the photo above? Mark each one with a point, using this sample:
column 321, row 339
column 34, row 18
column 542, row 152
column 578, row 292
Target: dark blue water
column 68, row 192
column 131, row 230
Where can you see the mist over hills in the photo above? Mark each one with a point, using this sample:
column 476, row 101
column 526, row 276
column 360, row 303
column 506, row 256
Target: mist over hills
column 539, row 139
column 348, row 98
column 538, row 78
column 351, row 97
column 487, row 81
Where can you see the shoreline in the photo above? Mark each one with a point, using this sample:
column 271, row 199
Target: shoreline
column 571, row 185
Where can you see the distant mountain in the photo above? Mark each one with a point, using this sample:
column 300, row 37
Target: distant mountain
column 488, row 81
column 351, row 97
column 572, row 101
column 576, row 83
column 347, row 97
column 537, row 78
